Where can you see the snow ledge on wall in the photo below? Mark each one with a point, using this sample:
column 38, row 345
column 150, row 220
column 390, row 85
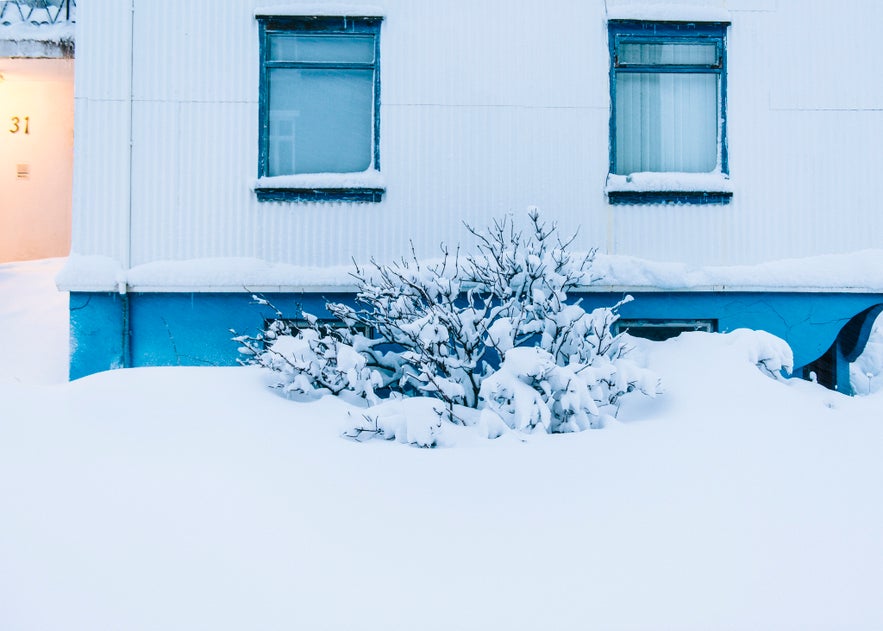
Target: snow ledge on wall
column 323, row 9
column 233, row 274
column 91, row 273
column 668, row 13
column 856, row 272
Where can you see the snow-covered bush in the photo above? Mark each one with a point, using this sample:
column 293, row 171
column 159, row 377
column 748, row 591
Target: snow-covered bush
column 492, row 329
column 427, row 340
column 312, row 360
column 415, row 422
column 531, row 391
column 453, row 319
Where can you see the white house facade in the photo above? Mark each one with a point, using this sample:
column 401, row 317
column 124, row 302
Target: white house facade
column 230, row 147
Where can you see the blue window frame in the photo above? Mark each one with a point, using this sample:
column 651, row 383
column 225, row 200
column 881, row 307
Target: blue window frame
column 319, row 107
column 668, row 94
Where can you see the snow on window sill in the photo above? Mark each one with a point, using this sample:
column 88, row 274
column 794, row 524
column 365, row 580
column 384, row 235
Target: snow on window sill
column 669, row 188
column 363, row 186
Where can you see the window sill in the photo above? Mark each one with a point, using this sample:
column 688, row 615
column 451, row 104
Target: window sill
column 669, row 188
column 363, row 187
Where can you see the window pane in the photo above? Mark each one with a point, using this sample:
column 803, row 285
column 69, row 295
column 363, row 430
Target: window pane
column 321, row 121
column 666, row 122
column 631, row 53
column 322, row 48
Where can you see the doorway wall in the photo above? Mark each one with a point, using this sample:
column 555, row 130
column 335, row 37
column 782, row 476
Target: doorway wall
column 36, row 157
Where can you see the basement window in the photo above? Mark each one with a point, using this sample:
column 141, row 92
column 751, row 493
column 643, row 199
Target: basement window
column 293, row 326
column 659, row 330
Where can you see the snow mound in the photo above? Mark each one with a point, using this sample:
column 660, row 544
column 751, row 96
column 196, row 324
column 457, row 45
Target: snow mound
column 771, row 354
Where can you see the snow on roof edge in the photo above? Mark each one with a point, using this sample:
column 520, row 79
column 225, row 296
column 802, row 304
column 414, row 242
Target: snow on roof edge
column 46, row 33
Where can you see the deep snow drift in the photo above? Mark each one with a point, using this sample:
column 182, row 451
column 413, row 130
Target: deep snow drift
column 33, row 321
column 196, row 498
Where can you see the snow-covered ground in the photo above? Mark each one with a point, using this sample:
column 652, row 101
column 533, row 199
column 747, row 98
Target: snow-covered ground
column 866, row 373
column 33, row 323
column 196, row 498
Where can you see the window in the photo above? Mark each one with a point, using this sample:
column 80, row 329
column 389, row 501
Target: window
column 668, row 114
column 659, row 330
column 292, row 326
column 319, row 109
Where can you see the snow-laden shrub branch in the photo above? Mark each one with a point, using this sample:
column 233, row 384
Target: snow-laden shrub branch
column 491, row 329
column 312, row 360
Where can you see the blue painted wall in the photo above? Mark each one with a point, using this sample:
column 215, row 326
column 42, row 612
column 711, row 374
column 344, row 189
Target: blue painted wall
column 194, row 329
column 98, row 338
column 110, row 330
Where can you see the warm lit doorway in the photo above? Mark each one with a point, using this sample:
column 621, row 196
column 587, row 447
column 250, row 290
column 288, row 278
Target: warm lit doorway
column 36, row 157
column 36, row 128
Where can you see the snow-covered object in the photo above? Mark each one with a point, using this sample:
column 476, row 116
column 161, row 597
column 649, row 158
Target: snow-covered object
column 745, row 350
column 866, row 373
column 417, row 422
column 311, row 363
column 414, row 307
column 769, row 353
column 91, row 273
column 681, row 182
column 214, row 274
column 853, row 271
column 34, row 321
column 530, row 392
column 370, row 178
column 454, row 318
column 60, row 33
column 441, row 328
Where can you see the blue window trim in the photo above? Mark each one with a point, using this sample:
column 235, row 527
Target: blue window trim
column 269, row 25
column 319, row 194
column 663, row 32
column 639, row 198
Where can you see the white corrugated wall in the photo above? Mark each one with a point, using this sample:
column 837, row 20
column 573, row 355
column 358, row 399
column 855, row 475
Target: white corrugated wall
column 488, row 106
column 101, row 129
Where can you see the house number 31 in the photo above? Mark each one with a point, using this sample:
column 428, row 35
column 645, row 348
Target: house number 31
column 20, row 125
